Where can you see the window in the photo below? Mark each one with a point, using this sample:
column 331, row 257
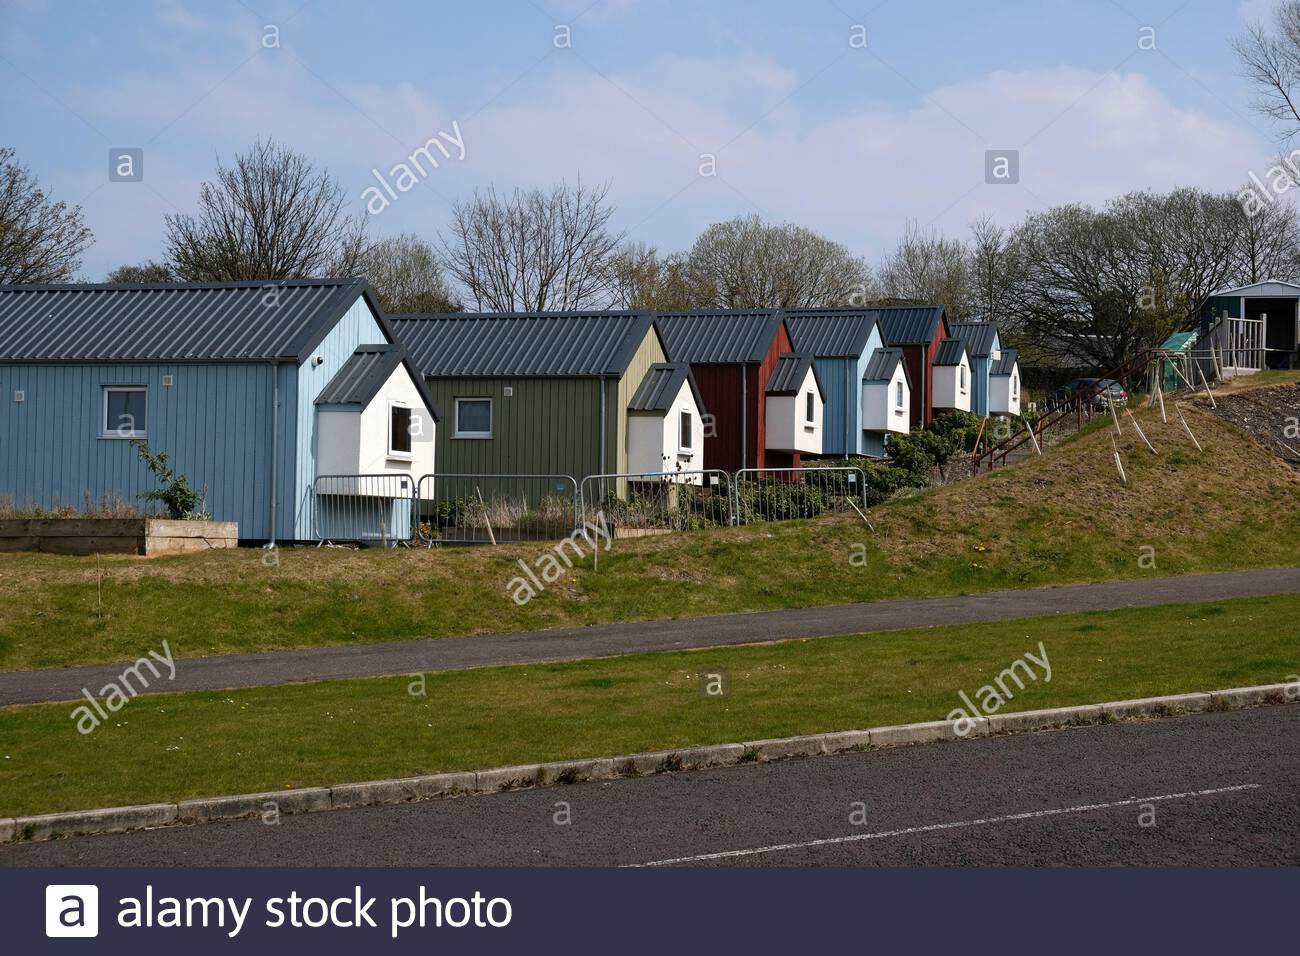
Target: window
column 125, row 411
column 684, row 425
column 1015, row 386
column 962, row 370
column 898, row 395
column 810, row 412
column 473, row 418
column 399, row 430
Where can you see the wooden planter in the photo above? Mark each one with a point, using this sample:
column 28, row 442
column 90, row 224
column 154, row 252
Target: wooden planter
column 143, row 536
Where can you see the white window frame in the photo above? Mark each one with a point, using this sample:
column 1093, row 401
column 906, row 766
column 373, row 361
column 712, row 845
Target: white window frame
column 810, row 408
column 1015, row 385
column 393, row 452
column 685, row 432
column 118, row 432
column 457, row 433
column 961, row 370
column 898, row 395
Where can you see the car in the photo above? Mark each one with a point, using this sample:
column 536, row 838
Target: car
column 1100, row 392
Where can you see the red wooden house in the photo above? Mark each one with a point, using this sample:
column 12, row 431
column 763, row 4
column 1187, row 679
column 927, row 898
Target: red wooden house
column 917, row 330
column 733, row 355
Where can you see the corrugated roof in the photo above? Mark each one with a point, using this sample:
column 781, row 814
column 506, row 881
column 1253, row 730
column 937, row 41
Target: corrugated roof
column 719, row 337
column 544, row 344
column 1179, row 341
column 790, row 372
column 950, row 352
column 361, row 377
column 882, row 364
column 1268, row 289
column 1006, row 363
column 909, row 324
column 179, row 322
column 660, row 387
column 831, row 333
column 978, row 337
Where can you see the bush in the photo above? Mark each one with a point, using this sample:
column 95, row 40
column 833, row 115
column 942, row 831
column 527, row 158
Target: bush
column 181, row 501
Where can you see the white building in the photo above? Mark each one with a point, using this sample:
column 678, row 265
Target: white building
column 952, row 377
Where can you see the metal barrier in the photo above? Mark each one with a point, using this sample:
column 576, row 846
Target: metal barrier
column 658, row 502
column 367, row 509
column 495, row 509
column 785, row 494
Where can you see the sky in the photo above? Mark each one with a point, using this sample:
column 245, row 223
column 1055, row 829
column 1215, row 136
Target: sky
column 849, row 117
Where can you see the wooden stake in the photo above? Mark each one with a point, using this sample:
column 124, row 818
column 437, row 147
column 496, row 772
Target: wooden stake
column 1032, row 436
column 486, row 520
column 1141, row 434
column 1118, row 464
column 1115, row 415
column 863, row 515
column 1187, row 428
column 1213, row 404
column 1160, row 394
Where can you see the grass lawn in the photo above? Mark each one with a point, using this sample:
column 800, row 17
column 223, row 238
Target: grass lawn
column 1058, row 519
column 181, row 745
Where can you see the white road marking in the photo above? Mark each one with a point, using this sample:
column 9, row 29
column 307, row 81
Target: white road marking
column 955, row 825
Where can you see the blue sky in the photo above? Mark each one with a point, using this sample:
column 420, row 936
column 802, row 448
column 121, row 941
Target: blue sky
column 804, row 125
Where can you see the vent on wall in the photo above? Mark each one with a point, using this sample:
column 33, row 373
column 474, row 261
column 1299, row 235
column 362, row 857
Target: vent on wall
column 20, row 395
column 508, row 391
column 168, row 381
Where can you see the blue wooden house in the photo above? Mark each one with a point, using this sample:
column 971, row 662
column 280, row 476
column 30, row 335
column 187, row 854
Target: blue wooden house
column 253, row 389
column 983, row 348
column 842, row 342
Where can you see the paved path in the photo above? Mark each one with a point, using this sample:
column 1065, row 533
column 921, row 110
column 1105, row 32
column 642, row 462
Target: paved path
column 1210, row 790
column 612, row 640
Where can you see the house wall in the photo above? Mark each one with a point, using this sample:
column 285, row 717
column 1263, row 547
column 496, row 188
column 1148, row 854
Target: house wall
column 548, row 426
column 1002, row 401
column 948, row 391
column 214, row 422
column 619, row 396
column 720, row 390
column 880, row 411
column 842, row 385
column 980, row 368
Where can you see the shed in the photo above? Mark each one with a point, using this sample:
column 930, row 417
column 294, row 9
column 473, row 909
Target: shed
column 549, row 393
column 841, row 341
column 984, row 347
column 732, row 354
column 1251, row 327
column 1004, row 384
column 952, row 377
column 917, row 330
column 223, row 377
column 665, row 430
column 795, row 403
column 886, row 393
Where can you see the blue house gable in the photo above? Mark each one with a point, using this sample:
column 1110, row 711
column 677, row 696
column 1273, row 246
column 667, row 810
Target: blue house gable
column 220, row 376
column 842, row 342
column 983, row 347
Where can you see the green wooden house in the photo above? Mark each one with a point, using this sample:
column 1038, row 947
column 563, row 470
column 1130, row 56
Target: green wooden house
column 549, row 393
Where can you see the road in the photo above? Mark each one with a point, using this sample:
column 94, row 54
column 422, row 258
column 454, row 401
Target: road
column 1216, row 789
column 611, row 640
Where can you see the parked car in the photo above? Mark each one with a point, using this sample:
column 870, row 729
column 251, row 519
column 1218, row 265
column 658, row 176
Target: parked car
column 1102, row 392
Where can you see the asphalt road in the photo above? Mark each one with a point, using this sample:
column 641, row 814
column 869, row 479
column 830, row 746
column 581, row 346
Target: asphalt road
column 1216, row 789
column 611, row 640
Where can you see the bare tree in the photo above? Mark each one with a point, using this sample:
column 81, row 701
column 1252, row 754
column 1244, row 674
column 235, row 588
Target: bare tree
column 407, row 276
column 147, row 271
column 40, row 240
column 1270, row 56
column 747, row 263
column 991, row 269
column 928, row 267
column 533, row 250
column 1268, row 243
column 641, row 278
column 272, row 215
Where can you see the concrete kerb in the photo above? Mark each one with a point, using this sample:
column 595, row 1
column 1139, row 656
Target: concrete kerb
column 410, row 789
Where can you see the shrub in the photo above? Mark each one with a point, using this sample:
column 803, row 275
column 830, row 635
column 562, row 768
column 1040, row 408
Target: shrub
column 181, row 500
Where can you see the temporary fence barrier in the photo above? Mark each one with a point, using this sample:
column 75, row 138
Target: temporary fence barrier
column 374, row 509
column 785, row 494
column 495, row 508
column 647, row 503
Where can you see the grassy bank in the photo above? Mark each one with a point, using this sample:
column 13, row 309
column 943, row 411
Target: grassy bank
column 181, row 745
column 1059, row 519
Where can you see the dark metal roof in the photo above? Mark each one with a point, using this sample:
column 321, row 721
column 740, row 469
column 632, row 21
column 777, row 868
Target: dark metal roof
column 790, row 372
column 950, row 352
column 660, row 387
column 719, row 337
column 978, row 337
column 176, row 321
column 544, row 344
column 831, row 333
column 1006, row 363
column 882, row 365
column 361, row 377
column 909, row 324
